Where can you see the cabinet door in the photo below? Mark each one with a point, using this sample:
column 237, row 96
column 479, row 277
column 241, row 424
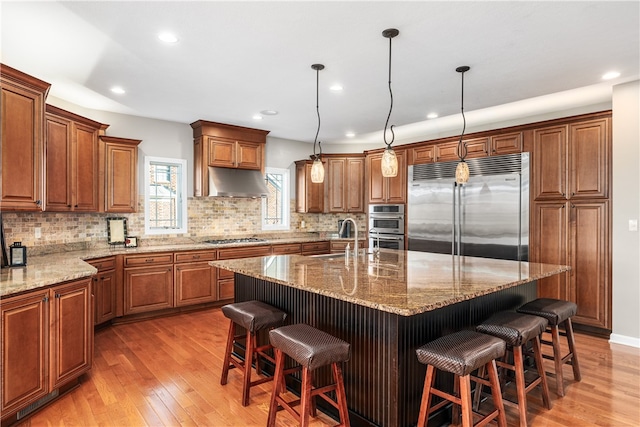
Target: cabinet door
column 477, row 147
column 589, row 153
column 59, row 164
column 314, row 193
column 222, row 153
column 72, row 332
column 249, row 155
column 397, row 186
column 336, row 173
column 148, row 289
column 25, row 349
column 550, row 235
column 549, row 163
column 121, row 177
column 509, row 143
column 194, row 283
column 447, row 151
column 354, row 184
column 84, row 175
column 104, row 290
column 376, row 185
column 423, row 155
column 590, row 273
column 22, row 117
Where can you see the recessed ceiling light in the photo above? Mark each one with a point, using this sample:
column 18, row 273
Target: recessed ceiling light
column 610, row 75
column 268, row 112
column 432, row 115
column 118, row 90
column 168, row 37
column 336, row 88
column 350, row 134
column 257, row 117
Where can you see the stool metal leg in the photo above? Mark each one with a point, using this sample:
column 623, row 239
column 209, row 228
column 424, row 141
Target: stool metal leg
column 227, row 354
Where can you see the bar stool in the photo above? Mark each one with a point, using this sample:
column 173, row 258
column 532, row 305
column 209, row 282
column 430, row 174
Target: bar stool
column 312, row 349
column 461, row 353
column 517, row 330
column 253, row 316
column 557, row 312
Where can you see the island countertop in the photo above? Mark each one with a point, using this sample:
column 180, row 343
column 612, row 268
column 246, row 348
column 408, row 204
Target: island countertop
column 400, row 282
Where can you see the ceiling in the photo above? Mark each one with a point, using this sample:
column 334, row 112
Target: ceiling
column 235, row 59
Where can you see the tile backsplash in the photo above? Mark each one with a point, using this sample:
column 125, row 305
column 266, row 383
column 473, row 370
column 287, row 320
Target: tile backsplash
column 208, row 217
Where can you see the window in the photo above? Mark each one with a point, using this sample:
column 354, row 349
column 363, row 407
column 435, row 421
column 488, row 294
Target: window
column 275, row 207
column 165, row 198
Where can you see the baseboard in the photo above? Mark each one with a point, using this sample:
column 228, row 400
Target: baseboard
column 624, row 340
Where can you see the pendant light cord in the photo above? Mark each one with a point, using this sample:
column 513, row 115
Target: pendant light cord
column 317, row 156
column 462, row 147
column 393, row 136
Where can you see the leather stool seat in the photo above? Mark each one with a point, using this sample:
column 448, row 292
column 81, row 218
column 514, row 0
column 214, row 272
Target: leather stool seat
column 252, row 316
column 311, row 348
column 558, row 313
column 517, row 330
column 461, row 353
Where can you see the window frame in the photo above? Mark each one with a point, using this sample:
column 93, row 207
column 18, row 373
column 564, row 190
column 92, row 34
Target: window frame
column 181, row 196
column 286, row 202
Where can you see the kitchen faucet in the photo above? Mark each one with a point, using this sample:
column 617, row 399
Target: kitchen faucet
column 355, row 245
column 376, row 248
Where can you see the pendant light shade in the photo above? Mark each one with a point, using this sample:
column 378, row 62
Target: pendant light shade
column 462, row 170
column 317, row 169
column 389, row 159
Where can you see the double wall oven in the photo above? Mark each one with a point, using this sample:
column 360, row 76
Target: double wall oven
column 386, row 226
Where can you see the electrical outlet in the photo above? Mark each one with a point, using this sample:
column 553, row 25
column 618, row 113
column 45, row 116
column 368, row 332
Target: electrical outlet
column 38, row 232
column 633, row 225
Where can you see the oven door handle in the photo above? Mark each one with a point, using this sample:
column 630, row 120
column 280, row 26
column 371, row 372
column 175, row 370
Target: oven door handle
column 374, row 217
column 390, row 238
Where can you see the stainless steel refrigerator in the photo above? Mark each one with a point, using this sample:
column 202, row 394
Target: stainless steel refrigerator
column 486, row 217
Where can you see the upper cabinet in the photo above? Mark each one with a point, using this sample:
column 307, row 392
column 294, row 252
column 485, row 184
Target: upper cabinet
column 226, row 146
column 309, row 195
column 572, row 161
column 119, row 163
column 344, row 183
column 71, row 153
column 22, row 116
column 382, row 189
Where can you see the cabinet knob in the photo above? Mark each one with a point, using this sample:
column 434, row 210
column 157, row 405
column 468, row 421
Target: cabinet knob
column 45, row 299
column 148, row 260
column 196, row 257
column 38, row 202
column 573, row 194
column 75, row 206
column 68, row 206
column 95, row 279
column 494, row 150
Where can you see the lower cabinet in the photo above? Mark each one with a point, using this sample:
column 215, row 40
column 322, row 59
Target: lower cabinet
column 194, row 279
column 104, row 289
column 149, row 285
column 226, row 277
column 47, row 342
column 316, row 248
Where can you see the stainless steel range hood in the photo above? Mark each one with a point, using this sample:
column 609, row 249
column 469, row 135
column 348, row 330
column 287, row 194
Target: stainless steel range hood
column 225, row 182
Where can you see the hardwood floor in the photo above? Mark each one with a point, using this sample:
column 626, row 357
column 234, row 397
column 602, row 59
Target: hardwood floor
column 166, row 372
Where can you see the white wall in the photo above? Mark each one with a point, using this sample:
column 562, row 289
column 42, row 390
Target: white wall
column 626, row 206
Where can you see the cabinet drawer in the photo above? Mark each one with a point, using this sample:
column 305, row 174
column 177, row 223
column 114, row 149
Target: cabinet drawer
column 194, row 256
column 315, row 248
column 149, row 259
column 290, row 248
column 103, row 264
column 244, row 252
column 225, row 274
column 225, row 289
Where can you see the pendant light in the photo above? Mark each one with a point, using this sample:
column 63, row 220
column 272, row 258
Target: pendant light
column 317, row 169
column 462, row 170
column 389, row 159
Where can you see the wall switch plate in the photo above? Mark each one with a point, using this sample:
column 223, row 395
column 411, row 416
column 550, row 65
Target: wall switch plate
column 633, row 225
column 38, row 232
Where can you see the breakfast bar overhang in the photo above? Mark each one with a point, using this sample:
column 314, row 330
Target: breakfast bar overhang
column 386, row 305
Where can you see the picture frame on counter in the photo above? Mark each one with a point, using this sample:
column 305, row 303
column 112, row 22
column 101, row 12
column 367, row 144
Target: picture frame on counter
column 116, row 231
column 18, row 255
column 131, row 242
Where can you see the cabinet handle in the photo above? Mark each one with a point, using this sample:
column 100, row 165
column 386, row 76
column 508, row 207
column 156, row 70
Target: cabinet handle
column 68, row 206
column 196, row 257
column 58, row 296
column 75, row 206
column 95, row 279
column 148, row 260
column 494, row 150
column 573, row 206
column 573, row 194
column 168, row 269
column 45, row 299
column 38, row 202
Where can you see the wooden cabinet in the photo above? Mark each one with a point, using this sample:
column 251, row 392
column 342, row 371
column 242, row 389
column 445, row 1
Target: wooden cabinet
column 226, row 277
column 508, row 143
column 345, row 184
column 572, row 161
column 119, row 183
column 22, row 129
column 104, row 289
column 194, row 279
column 227, row 146
column 47, row 342
column 71, row 153
column 448, row 151
column 316, row 248
column 382, row 189
column 148, row 282
column 286, row 248
column 423, row 154
column 571, row 166
column 309, row 195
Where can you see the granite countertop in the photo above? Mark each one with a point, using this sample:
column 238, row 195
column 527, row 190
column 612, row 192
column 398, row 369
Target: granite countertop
column 400, row 282
column 58, row 267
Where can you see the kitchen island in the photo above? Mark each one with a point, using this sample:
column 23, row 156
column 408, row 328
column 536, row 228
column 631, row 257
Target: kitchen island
column 386, row 306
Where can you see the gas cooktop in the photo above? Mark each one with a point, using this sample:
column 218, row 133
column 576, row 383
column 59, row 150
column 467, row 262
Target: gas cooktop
column 241, row 240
